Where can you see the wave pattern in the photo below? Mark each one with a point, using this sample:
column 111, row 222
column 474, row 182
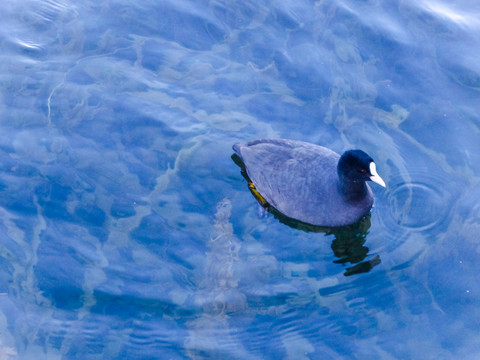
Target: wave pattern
column 128, row 232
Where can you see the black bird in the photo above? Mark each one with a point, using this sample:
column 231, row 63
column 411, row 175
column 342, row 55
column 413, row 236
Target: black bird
column 308, row 182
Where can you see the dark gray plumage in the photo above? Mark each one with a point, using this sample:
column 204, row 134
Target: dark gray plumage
column 308, row 182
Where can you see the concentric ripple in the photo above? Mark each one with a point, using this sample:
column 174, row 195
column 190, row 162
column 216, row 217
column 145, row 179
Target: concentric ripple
column 417, row 204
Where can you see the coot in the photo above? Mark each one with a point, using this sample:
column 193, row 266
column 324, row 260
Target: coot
column 308, row 182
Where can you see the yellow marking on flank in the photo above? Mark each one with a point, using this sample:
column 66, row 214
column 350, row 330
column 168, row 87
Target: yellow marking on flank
column 256, row 194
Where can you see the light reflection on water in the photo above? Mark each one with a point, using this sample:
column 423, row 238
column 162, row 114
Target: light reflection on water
column 127, row 232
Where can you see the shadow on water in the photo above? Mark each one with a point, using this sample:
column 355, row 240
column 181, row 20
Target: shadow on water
column 348, row 244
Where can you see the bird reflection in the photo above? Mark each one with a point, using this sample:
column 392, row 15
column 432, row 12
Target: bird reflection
column 349, row 241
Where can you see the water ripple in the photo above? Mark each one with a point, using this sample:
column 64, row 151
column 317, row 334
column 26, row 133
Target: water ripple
column 417, row 205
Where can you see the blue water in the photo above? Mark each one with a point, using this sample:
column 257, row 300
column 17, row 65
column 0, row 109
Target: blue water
column 127, row 232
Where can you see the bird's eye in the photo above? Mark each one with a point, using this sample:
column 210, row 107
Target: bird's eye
column 363, row 171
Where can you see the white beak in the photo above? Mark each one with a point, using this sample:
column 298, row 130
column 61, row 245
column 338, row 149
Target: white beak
column 375, row 177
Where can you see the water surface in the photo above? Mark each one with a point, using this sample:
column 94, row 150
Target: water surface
column 127, row 232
